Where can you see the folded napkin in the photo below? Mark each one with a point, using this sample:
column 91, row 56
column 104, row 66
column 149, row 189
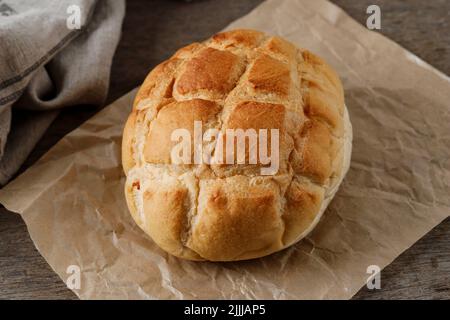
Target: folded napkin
column 53, row 54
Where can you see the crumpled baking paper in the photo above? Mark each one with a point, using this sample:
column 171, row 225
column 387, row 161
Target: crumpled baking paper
column 396, row 190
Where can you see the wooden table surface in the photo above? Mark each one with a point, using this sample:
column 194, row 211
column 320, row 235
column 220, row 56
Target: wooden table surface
column 152, row 30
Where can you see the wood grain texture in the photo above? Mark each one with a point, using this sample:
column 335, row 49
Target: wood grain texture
column 152, row 31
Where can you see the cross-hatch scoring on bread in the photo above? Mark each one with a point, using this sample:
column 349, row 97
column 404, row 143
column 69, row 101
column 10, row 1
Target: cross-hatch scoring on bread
column 222, row 212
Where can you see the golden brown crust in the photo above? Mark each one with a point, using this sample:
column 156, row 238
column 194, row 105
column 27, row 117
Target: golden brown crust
column 188, row 51
column 128, row 142
column 165, row 210
column 176, row 115
column 303, row 201
column 256, row 115
column 315, row 149
column 157, row 86
column 240, row 79
column 323, row 95
column 238, row 38
column 129, row 197
column 237, row 219
column 270, row 76
column 210, row 70
column 280, row 49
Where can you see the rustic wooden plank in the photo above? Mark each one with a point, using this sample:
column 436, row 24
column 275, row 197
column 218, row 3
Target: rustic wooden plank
column 24, row 274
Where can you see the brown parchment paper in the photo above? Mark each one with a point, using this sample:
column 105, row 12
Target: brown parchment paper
column 396, row 190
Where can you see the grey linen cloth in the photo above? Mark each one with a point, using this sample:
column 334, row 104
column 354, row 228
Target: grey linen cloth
column 48, row 61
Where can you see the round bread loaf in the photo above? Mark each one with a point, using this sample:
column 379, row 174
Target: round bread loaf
column 241, row 79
